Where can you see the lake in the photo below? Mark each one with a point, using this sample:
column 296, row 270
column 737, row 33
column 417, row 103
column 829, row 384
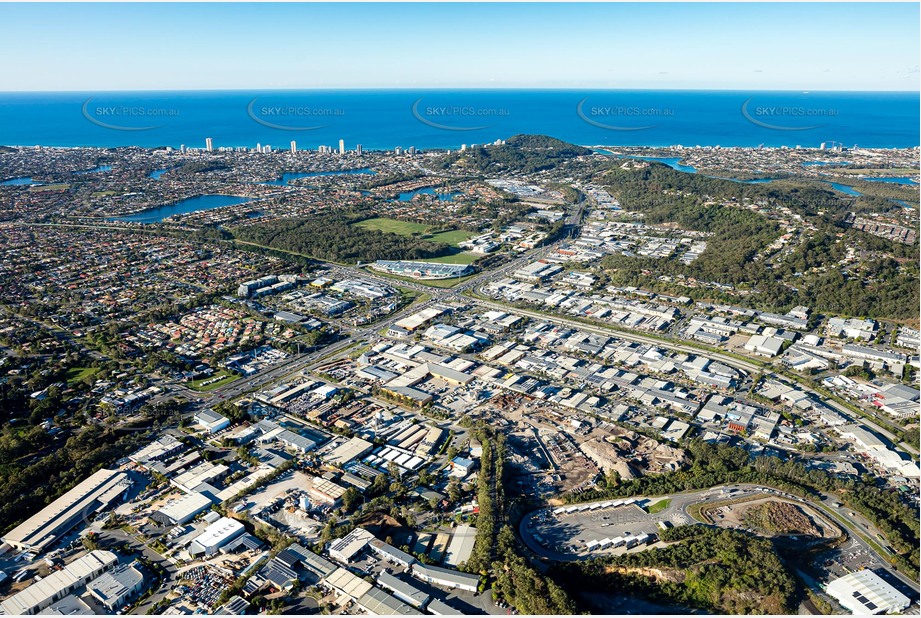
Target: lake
column 672, row 162
column 844, row 189
column 19, row 181
column 98, row 168
column 902, row 180
column 443, row 197
column 192, row 204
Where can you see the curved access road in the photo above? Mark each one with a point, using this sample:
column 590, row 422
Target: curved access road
column 564, row 536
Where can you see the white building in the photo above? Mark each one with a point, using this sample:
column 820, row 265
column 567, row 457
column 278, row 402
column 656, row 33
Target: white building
column 349, row 546
column 851, row 328
column 461, row 546
column 182, row 510
column 216, row 536
column 865, row 592
column 211, row 420
column 764, row 345
column 446, row 577
column 872, row 446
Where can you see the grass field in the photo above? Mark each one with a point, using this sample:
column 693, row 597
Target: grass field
column 226, row 379
column 75, row 374
column 403, row 228
column 452, row 237
column 659, row 506
column 408, row 228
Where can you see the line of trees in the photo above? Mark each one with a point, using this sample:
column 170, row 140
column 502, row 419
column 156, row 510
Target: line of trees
column 496, row 551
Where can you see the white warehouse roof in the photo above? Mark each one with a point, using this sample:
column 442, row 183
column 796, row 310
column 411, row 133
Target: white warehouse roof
column 865, row 592
column 220, row 533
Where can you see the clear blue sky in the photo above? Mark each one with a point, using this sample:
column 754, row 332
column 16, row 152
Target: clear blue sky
column 818, row 46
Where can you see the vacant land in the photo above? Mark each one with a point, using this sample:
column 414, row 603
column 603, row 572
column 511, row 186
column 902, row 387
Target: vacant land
column 779, row 518
column 659, row 506
column 75, row 374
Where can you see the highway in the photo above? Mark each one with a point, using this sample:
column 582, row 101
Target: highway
column 297, row 363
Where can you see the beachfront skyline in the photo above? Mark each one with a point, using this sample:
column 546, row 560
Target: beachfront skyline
column 303, row 46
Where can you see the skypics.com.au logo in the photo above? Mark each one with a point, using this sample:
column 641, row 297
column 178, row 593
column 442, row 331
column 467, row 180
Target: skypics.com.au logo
column 785, row 117
column 291, row 117
column 451, row 117
column 124, row 117
column 619, row 117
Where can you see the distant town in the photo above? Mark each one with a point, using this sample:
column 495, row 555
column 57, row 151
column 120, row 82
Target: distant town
column 523, row 377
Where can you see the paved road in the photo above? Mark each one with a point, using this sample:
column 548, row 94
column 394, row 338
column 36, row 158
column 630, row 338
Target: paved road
column 286, row 368
column 591, row 523
column 575, row 529
column 117, row 536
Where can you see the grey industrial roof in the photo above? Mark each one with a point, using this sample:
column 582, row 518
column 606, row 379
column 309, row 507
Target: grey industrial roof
column 376, row 601
column 391, row 582
column 390, row 550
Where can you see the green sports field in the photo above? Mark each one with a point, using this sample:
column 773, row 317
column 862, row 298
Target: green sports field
column 409, row 228
column 393, row 226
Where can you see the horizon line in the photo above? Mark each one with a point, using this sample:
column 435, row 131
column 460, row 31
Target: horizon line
column 461, row 88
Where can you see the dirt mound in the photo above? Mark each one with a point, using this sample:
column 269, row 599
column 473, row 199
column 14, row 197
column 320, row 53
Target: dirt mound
column 780, row 518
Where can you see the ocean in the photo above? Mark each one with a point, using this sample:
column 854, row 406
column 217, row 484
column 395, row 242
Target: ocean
column 385, row 119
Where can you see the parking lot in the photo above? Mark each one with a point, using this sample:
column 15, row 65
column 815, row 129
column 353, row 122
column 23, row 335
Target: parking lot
column 205, row 585
column 571, row 533
column 594, row 529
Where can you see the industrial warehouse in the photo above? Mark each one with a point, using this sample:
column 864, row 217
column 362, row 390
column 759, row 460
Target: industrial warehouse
column 423, row 270
column 59, row 584
column 97, row 492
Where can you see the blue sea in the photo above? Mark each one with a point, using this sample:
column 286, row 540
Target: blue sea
column 384, row 119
